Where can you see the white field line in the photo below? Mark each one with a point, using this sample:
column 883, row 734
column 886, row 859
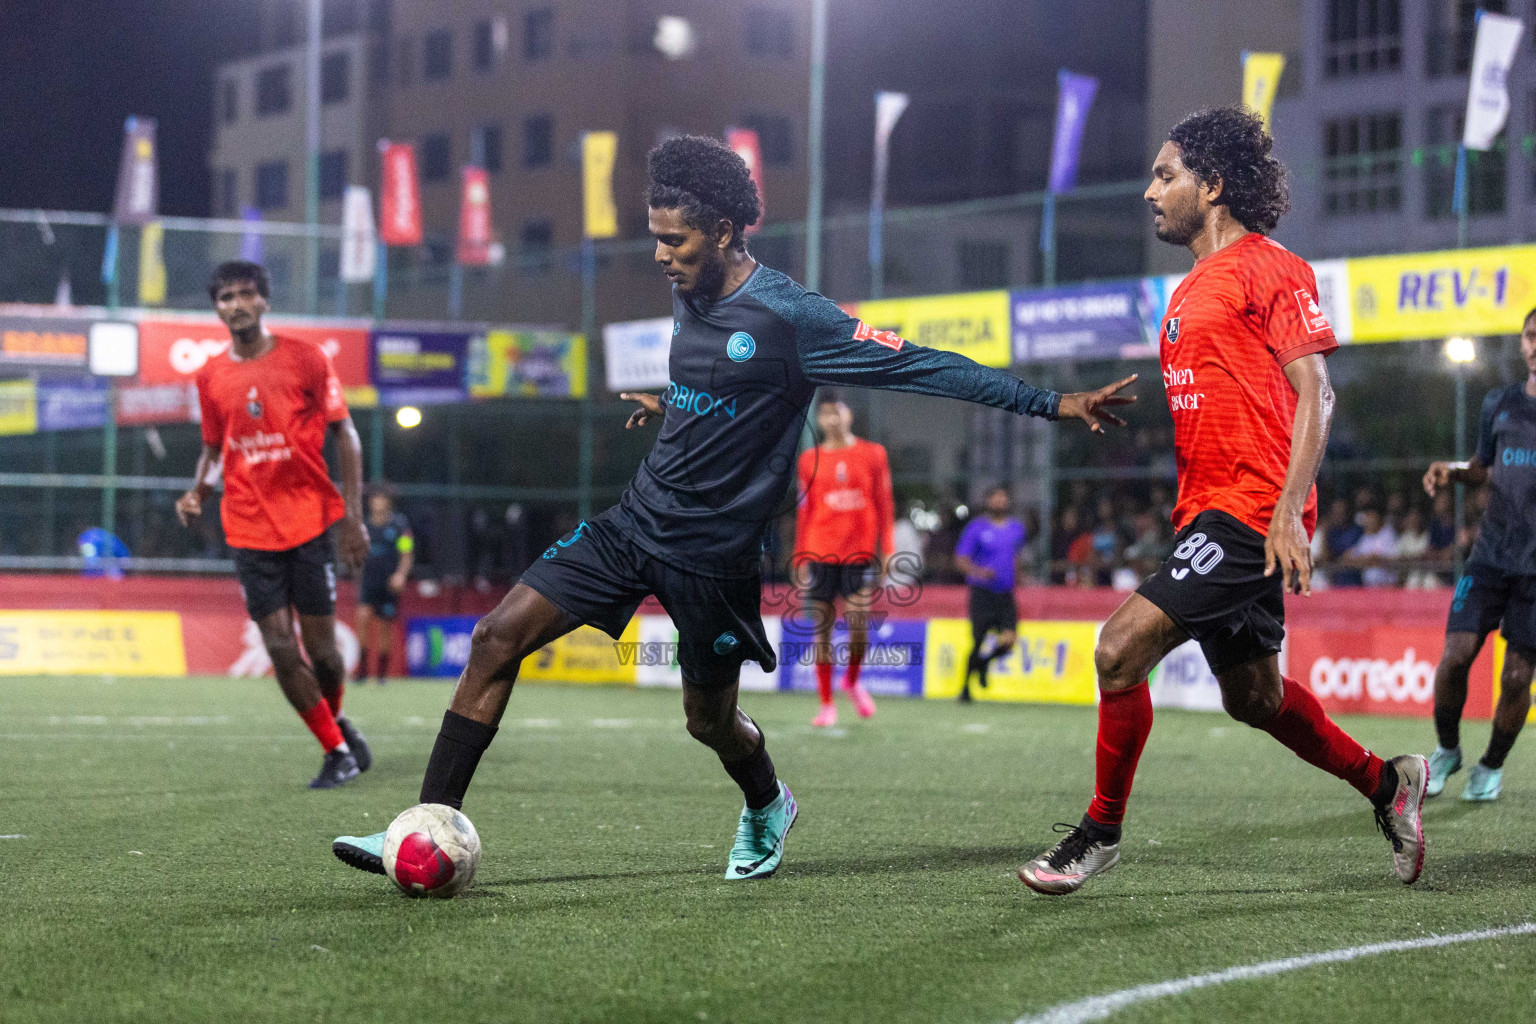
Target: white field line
column 1079, row 1011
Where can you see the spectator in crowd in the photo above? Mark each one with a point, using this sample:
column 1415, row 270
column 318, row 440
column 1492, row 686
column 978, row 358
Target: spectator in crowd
column 1375, row 551
column 1412, row 547
column 1341, row 534
column 1442, row 531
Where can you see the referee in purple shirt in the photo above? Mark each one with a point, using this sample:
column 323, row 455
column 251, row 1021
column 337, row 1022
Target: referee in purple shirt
column 987, row 553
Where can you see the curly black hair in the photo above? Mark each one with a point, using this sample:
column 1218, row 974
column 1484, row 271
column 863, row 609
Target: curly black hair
column 1230, row 145
column 238, row 272
column 708, row 181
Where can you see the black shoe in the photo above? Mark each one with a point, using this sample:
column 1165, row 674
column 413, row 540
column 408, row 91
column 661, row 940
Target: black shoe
column 338, row 769
column 965, row 692
column 355, row 740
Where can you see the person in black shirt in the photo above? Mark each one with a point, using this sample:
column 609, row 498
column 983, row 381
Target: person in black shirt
column 749, row 347
column 391, row 552
column 1499, row 583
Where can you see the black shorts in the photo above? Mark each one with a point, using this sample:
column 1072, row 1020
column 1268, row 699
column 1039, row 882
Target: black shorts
column 303, row 577
column 823, row 581
column 1485, row 595
column 375, row 593
column 992, row 611
column 598, row 575
column 1214, row 588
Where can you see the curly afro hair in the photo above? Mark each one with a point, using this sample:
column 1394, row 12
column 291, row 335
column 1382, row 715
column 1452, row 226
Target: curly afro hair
column 1230, row 145
column 708, row 181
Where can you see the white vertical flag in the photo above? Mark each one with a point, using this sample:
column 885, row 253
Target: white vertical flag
column 359, row 251
column 1498, row 37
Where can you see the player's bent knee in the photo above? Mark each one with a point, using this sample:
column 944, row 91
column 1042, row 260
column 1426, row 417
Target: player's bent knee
column 1113, row 660
column 501, row 636
column 1252, row 709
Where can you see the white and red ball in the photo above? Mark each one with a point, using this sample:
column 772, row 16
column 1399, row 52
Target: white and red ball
column 431, row 850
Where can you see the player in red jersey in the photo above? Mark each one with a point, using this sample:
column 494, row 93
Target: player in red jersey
column 268, row 404
column 1242, row 350
column 843, row 535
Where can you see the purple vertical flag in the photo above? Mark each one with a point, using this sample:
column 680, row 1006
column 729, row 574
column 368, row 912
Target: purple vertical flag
column 138, row 174
column 252, row 248
column 1074, row 95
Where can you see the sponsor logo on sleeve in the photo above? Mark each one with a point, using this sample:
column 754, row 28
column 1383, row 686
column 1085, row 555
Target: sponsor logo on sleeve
column 890, row 339
column 1311, row 313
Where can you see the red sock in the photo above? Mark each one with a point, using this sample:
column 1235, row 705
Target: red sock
column 851, row 677
column 1303, row 725
column 322, row 722
column 1125, row 720
column 824, row 680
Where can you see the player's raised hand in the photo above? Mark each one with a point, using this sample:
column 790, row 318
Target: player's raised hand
column 1437, row 476
column 352, row 541
column 188, row 506
column 1092, row 407
column 1286, row 548
column 650, row 408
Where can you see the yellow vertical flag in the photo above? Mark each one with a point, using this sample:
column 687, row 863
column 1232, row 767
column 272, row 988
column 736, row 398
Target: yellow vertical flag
column 1261, row 77
column 599, row 150
column 18, row 407
column 152, row 264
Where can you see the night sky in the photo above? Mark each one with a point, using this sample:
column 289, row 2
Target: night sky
column 76, row 68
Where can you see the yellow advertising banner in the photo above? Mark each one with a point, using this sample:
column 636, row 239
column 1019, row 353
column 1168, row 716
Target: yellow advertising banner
column 94, row 643
column 599, row 151
column 18, row 407
column 1261, row 77
column 528, row 364
column 1439, row 294
column 152, row 282
column 974, row 324
column 1052, row 663
column 585, row 656
column 364, row 397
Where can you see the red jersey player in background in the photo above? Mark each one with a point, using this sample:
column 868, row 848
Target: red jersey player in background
column 268, row 404
column 843, row 534
column 1242, row 349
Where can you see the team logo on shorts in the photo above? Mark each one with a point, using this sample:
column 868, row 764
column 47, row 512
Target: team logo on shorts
column 252, row 405
column 740, row 347
column 726, row 642
column 1172, row 330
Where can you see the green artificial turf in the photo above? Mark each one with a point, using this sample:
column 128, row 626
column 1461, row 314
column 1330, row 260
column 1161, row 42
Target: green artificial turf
column 175, row 868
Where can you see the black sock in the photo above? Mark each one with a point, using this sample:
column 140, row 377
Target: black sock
column 1498, row 747
column 1386, row 788
column 1100, row 832
column 383, row 669
column 455, row 755
column 1448, row 727
column 754, row 774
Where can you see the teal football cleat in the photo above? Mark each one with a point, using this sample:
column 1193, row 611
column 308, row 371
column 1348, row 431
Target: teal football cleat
column 1483, row 783
column 760, row 838
column 1443, row 764
column 366, row 853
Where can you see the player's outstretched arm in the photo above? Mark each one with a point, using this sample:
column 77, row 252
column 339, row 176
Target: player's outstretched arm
column 190, row 504
column 1286, row 546
column 650, row 408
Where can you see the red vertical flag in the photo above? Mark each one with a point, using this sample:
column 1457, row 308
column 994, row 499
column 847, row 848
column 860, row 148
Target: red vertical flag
column 747, row 146
column 475, row 218
column 400, row 199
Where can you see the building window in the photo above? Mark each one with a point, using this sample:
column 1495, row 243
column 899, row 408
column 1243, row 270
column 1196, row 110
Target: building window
column 436, row 161
column 378, row 61
column 537, row 238
column 1485, row 171
column 229, row 101
column 1363, row 164
column 1450, row 29
column 227, row 200
column 403, row 60
column 539, row 33
column 333, row 174
column 1364, row 36
column 340, row 16
column 538, row 140
column 485, row 147
column 437, row 55
column 485, row 45
column 770, row 32
column 378, row 15
column 272, row 185
column 335, row 77
column 285, row 23
column 274, row 93
column 983, row 264
column 774, row 136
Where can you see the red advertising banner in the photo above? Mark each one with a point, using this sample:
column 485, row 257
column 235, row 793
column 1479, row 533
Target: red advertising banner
column 475, row 219
column 143, row 404
column 1383, row 670
column 172, row 351
column 747, row 146
column 400, row 199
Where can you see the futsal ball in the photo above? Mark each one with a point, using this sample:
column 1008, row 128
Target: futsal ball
column 431, row 850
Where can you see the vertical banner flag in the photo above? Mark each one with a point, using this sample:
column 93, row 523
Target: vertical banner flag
column 400, row 203
column 1498, row 37
column 152, row 264
column 1261, row 77
column 138, row 176
column 889, row 106
column 750, row 148
column 1074, row 96
column 252, row 241
column 599, row 150
column 359, row 248
column 475, row 218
